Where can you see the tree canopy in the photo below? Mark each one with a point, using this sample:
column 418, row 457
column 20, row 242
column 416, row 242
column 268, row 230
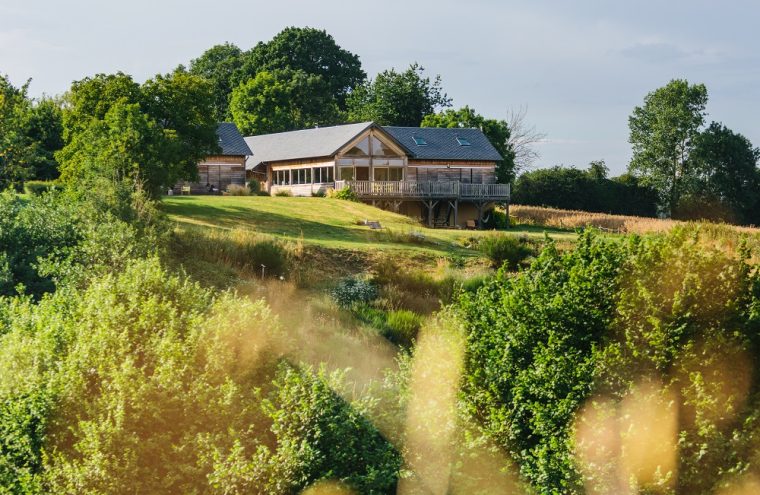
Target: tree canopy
column 156, row 133
column 30, row 132
column 662, row 133
column 497, row 132
column 283, row 100
column 397, row 98
column 312, row 51
column 725, row 180
column 219, row 65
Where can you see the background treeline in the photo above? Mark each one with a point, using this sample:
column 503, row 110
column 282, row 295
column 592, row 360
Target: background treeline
column 587, row 190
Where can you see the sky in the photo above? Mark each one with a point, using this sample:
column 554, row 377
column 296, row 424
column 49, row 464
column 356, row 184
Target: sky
column 579, row 67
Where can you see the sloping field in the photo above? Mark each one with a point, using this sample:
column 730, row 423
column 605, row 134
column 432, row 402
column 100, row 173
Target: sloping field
column 326, row 222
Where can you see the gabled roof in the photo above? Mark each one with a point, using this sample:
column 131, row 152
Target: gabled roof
column 307, row 143
column 231, row 141
column 442, row 143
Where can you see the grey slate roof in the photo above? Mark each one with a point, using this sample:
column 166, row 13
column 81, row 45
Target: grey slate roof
column 307, row 143
column 230, row 140
column 326, row 141
column 442, row 143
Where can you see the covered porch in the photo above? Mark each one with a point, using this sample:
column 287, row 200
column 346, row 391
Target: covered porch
column 435, row 196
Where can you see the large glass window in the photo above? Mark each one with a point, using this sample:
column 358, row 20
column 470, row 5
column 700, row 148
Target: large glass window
column 323, row 175
column 379, row 148
column 361, row 148
column 381, row 174
column 346, row 173
column 281, row 177
column 395, row 173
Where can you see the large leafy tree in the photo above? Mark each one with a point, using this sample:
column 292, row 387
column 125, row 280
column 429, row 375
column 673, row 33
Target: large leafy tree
column 312, row 51
column 398, row 98
column 219, row 65
column 155, row 134
column 16, row 149
column 662, row 133
column 45, row 129
column 497, row 132
column 283, row 100
column 726, row 181
column 181, row 104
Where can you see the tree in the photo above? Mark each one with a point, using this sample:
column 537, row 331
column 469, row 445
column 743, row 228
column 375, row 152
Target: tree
column 394, row 98
column 587, row 190
column 662, row 133
column 45, row 129
column 497, row 132
column 281, row 101
column 220, row 65
column 16, row 149
column 726, row 178
column 523, row 139
column 117, row 130
column 310, row 50
column 181, row 104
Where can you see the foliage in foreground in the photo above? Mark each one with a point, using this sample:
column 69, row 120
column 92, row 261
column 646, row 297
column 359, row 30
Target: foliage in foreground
column 145, row 380
column 591, row 326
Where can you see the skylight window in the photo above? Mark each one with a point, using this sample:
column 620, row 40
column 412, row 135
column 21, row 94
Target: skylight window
column 419, row 141
column 463, row 142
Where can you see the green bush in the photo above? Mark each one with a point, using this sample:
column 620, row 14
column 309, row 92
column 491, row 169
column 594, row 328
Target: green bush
column 346, row 194
column 350, row 291
column 254, row 187
column 402, row 327
column 284, row 193
column 38, row 187
column 505, row 250
column 238, row 190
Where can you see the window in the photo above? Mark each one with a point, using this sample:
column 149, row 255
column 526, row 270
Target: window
column 463, row 141
column 419, row 141
column 396, row 173
column 346, row 173
column 281, row 177
column 381, row 174
column 323, row 174
column 379, row 148
column 361, row 148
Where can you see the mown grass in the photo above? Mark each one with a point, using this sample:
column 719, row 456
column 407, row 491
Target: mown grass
column 327, row 222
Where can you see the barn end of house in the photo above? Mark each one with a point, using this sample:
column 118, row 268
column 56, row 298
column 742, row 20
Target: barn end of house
column 218, row 172
column 445, row 177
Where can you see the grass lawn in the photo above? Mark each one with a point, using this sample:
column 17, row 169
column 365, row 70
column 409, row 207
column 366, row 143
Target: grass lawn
column 326, row 222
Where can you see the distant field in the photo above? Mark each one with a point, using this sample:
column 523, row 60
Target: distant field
column 572, row 219
column 326, row 222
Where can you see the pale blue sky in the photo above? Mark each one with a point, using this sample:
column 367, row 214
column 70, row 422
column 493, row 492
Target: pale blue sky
column 580, row 66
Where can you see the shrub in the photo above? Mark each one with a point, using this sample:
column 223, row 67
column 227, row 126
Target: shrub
column 318, row 194
column 350, row 291
column 346, row 193
column 254, row 187
column 284, row 193
column 38, row 187
column 505, row 249
column 402, row 327
column 238, row 190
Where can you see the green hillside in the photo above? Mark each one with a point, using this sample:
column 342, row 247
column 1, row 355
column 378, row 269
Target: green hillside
column 326, row 222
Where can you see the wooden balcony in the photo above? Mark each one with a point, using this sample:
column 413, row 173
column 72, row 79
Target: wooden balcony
column 428, row 190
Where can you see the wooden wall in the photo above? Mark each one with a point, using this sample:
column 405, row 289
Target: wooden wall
column 218, row 171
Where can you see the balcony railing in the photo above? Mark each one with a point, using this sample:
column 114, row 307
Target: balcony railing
column 426, row 190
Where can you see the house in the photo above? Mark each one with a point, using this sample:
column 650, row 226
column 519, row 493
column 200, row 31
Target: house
column 442, row 176
column 218, row 172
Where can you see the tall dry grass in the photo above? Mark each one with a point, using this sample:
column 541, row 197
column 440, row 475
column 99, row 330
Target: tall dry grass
column 572, row 219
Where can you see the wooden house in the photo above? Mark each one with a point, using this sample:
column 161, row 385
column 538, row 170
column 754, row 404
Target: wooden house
column 217, row 172
column 441, row 176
